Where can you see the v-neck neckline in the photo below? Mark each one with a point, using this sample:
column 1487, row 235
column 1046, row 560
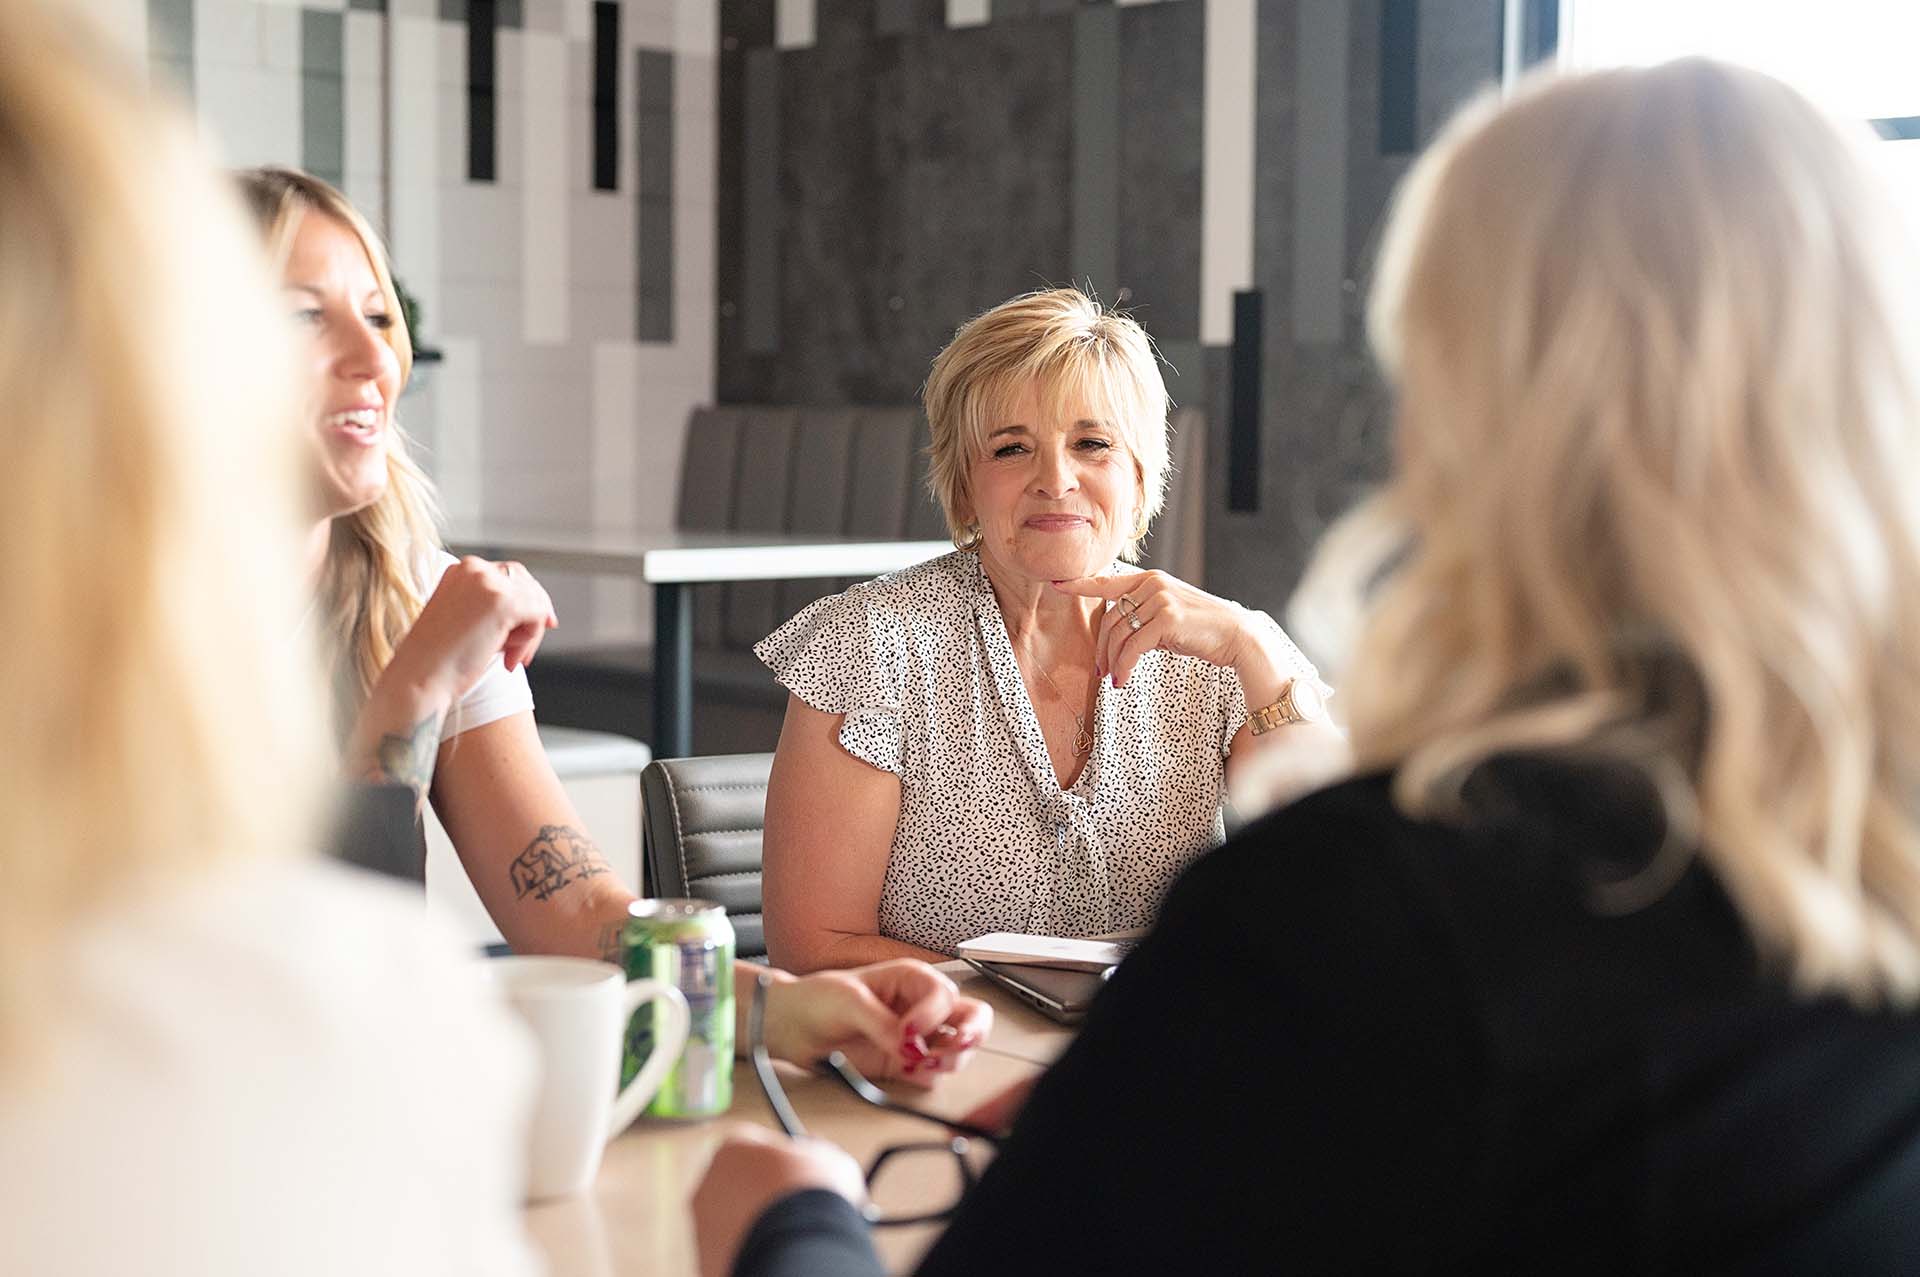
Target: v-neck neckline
column 1029, row 739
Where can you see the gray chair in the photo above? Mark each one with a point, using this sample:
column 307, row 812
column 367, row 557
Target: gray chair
column 701, row 835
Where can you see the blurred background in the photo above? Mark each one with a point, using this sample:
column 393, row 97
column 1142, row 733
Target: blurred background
column 610, row 212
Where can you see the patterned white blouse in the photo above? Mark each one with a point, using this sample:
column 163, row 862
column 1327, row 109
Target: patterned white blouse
column 920, row 664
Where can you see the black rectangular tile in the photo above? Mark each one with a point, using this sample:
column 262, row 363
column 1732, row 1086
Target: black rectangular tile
column 606, row 95
column 1243, row 421
column 1399, row 76
column 482, row 106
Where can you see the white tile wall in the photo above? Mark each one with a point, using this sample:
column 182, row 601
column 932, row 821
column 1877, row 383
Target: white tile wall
column 1226, row 175
column 226, row 33
column 543, row 207
column 280, row 40
column 967, row 13
column 794, row 24
column 544, row 407
column 458, row 451
column 251, row 115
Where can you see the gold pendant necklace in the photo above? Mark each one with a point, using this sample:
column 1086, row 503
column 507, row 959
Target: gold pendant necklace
column 1082, row 740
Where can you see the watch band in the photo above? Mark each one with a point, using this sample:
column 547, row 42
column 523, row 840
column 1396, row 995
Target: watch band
column 1280, row 713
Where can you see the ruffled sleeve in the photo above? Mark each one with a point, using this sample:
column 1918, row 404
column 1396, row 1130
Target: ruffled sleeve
column 1233, row 700
column 841, row 656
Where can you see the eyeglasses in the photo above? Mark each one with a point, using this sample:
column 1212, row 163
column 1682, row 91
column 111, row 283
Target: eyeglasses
column 907, row 1183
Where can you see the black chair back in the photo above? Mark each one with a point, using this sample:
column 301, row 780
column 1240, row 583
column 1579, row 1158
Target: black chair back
column 701, row 835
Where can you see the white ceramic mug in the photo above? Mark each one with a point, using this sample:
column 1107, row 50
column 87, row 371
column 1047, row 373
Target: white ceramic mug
column 578, row 1010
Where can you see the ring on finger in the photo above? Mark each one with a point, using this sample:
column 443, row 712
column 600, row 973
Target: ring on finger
column 1133, row 608
column 1133, row 620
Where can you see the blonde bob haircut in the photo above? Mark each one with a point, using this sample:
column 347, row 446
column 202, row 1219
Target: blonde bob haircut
column 159, row 716
column 369, row 587
column 1078, row 353
column 1655, row 357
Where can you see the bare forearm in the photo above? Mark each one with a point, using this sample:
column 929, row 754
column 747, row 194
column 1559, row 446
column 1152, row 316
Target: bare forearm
column 564, row 898
column 396, row 738
column 1276, row 767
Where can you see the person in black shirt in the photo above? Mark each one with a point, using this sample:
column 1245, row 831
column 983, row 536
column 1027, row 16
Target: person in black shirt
column 1607, row 958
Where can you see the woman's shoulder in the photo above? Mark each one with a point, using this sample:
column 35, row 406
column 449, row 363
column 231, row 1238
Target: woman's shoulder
column 290, row 1013
column 888, row 611
column 947, row 581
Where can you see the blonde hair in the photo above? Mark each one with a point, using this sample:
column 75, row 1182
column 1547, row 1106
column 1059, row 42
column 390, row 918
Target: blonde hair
column 369, row 586
column 1073, row 350
column 1657, row 410
column 160, row 715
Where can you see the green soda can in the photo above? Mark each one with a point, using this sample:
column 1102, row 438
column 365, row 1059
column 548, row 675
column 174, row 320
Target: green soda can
column 688, row 944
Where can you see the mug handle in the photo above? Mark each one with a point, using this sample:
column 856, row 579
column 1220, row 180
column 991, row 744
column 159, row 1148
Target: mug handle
column 670, row 1038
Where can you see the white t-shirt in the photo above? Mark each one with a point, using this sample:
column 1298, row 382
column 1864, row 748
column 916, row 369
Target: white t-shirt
column 282, row 1067
column 497, row 694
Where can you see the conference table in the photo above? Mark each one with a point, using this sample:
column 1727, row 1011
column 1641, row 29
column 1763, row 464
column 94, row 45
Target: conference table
column 635, row 1219
column 673, row 561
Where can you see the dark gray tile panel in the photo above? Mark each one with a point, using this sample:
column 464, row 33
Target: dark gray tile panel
column 170, row 43
column 919, row 187
column 1460, row 43
column 761, row 198
column 655, row 203
column 323, row 122
column 1162, row 77
column 1096, row 149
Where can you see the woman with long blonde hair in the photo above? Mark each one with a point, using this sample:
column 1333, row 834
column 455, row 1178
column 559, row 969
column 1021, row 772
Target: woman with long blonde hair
column 427, row 657
column 1608, row 959
column 218, row 1053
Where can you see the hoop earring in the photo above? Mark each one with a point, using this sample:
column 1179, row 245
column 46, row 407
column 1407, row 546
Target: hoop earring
column 969, row 537
column 1141, row 531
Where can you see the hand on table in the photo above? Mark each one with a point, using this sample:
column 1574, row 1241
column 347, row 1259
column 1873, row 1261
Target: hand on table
column 1173, row 616
column 753, row 1169
column 894, row 1020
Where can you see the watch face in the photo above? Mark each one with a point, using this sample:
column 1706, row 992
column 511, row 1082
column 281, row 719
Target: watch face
column 1307, row 701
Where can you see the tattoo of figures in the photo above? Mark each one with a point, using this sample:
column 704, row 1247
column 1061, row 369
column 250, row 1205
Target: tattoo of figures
column 408, row 760
column 557, row 856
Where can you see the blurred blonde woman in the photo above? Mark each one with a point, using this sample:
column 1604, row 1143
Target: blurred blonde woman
column 218, row 1055
column 428, row 654
column 1608, row 960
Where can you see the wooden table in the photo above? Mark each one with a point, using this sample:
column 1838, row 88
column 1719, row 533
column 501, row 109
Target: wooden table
column 673, row 561
column 634, row 1222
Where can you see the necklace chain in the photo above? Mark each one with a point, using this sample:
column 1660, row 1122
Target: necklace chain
column 1083, row 740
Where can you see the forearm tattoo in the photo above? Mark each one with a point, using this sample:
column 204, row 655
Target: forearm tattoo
column 407, row 760
column 558, row 856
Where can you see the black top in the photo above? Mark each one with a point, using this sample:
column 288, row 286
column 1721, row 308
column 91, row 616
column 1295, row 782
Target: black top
column 1358, row 1042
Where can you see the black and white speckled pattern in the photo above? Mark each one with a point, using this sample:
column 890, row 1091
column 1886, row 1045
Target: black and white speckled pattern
column 919, row 663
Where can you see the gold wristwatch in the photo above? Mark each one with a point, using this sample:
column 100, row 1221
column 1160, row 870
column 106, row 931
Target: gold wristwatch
column 1300, row 702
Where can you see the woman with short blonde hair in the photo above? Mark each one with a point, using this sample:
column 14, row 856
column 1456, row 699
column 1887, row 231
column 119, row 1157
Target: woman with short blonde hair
column 955, row 760
column 1607, row 961
column 1067, row 342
